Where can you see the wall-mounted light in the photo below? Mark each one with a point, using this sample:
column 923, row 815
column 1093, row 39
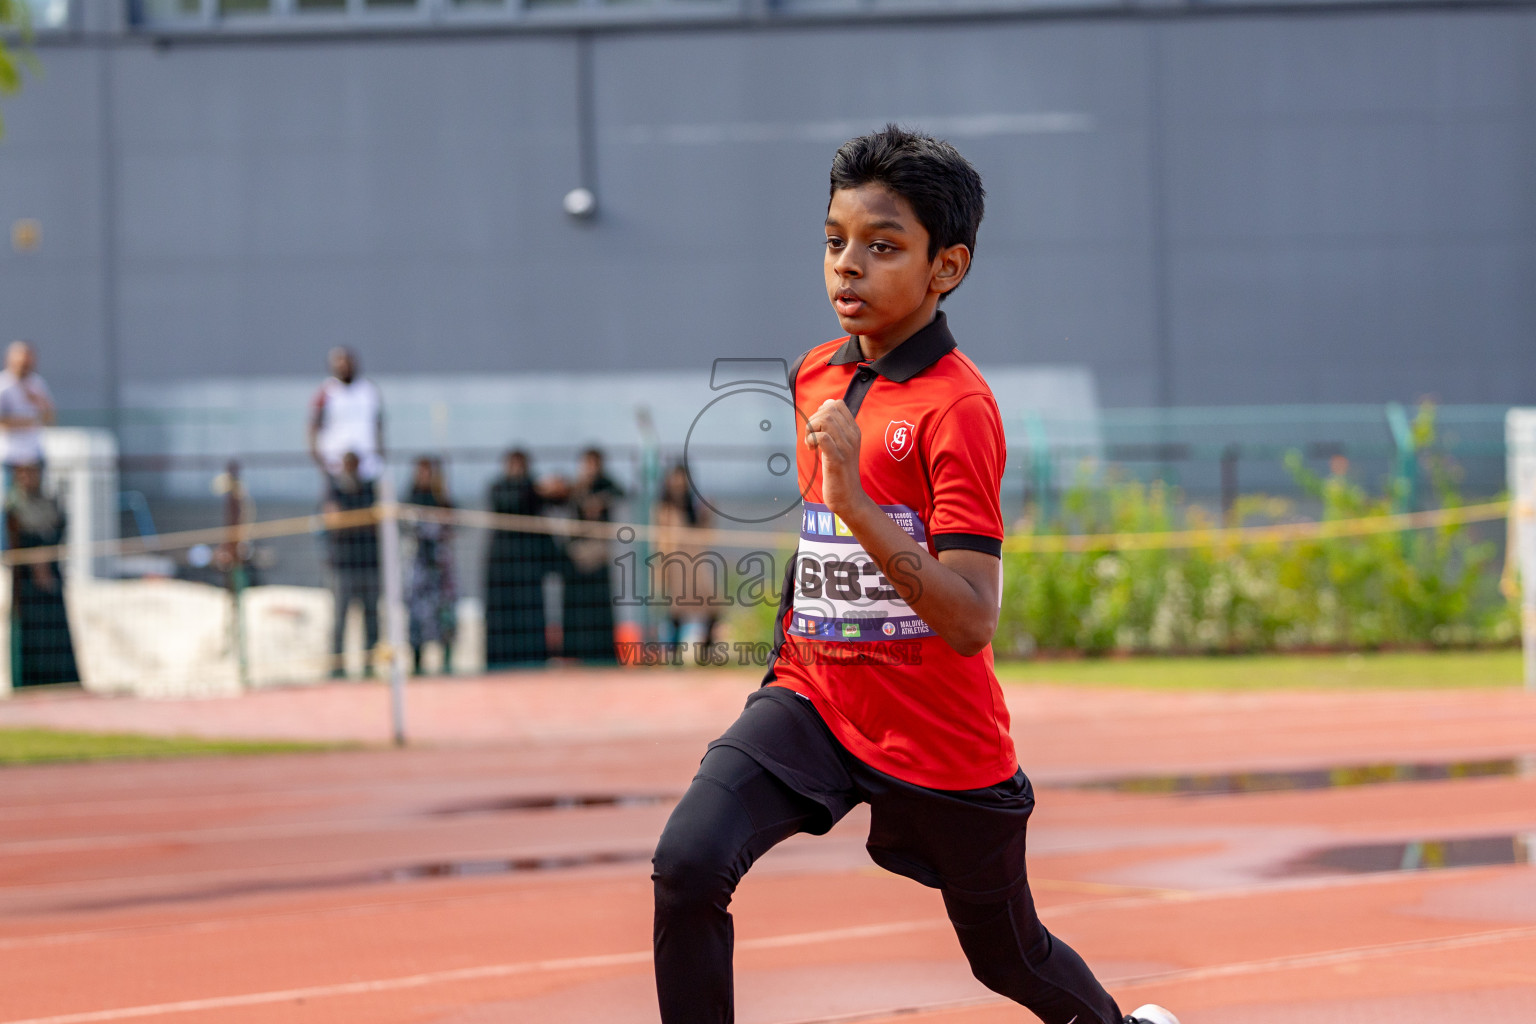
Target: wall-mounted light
column 580, row 203
column 26, row 235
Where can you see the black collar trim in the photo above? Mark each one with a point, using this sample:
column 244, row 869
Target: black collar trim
column 906, row 360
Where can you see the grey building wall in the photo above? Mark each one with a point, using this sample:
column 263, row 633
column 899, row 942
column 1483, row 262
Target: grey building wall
column 54, row 169
column 1350, row 208
column 1266, row 207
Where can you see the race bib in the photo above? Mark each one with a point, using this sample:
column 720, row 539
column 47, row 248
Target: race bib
column 840, row 594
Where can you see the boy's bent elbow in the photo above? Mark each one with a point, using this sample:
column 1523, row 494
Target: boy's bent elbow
column 971, row 611
column 972, row 638
column 974, row 649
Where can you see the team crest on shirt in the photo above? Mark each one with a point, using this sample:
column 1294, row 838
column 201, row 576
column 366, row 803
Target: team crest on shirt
column 900, row 438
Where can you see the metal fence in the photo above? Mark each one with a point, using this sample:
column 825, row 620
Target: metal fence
column 1215, row 455
column 129, row 581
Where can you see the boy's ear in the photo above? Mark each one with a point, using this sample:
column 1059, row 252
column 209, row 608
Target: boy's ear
column 949, row 268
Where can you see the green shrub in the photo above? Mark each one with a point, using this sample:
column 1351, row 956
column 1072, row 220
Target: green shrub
column 1434, row 587
column 1424, row 588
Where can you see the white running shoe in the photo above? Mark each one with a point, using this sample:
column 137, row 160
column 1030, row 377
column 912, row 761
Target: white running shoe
column 1150, row 1014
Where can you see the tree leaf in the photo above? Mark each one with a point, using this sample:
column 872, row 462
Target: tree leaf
column 15, row 16
column 10, row 77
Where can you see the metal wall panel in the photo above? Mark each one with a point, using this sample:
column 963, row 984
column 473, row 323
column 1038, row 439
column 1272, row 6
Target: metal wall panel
column 1350, row 208
column 743, row 127
column 53, row 171
column 402, row 197
column 1315, row 206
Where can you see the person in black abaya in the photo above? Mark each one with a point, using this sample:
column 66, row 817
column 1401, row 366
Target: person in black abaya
column 516, row 565
column 588, row 601
column 42, row 650
column 432, row 595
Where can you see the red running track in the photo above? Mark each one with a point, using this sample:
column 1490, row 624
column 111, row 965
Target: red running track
column 373, row 885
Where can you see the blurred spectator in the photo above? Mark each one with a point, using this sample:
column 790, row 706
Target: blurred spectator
column 689, row 582
column 516, row 566
column 347, row 415
column 41, row 648
column 233, row 557
column 587, row 618
column 26, row 406
column 433, row 595
column 354, row 557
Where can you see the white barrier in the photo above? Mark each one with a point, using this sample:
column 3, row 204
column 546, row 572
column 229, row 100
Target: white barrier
column 125, row 643
column 1520, row 427
column 82, row 471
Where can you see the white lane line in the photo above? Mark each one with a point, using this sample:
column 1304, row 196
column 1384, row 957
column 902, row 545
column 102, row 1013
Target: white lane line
column 302, row 872
column 904, row 1012
column 305, row 869
column 259, row 918
column 345, row 989
column 461, row 974
column 332, row 874
column 208, row 836
column 1279, row 963
column 1330, row 957
column 401, row 821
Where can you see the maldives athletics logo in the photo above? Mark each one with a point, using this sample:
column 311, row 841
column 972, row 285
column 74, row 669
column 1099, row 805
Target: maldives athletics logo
column 899, row 439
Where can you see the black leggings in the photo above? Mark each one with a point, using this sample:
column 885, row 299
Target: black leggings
column 733, row 813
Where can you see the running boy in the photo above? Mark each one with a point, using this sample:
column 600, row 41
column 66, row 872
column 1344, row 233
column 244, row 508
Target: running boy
column 881, row 689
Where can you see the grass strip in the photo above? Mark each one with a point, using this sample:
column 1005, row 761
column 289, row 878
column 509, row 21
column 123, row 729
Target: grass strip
column 1393, row 670
column 44, row 746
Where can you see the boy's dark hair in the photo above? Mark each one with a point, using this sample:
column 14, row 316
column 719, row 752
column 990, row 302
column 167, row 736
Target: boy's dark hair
column 944, row 189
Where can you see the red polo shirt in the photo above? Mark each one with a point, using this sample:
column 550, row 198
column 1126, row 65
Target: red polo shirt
column 895, row 693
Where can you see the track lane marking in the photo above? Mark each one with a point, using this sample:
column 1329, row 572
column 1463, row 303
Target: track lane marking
column 345, row 827
column 1328, row 958
column 1280, row 963
column 1135, row 897
column 462, row 974
column 299, row 871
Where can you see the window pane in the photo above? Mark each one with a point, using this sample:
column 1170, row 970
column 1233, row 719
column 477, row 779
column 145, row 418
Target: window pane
column 48, row 13
column 245, row 6
column 172, row 8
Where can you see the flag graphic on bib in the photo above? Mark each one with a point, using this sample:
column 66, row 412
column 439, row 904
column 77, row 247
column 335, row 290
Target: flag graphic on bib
column 840, row 594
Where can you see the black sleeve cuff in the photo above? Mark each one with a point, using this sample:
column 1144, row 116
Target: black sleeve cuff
column 968, row 542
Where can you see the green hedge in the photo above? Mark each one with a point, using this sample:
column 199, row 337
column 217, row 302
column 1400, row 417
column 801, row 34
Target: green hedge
column 1426, row 588
column 1435, row 587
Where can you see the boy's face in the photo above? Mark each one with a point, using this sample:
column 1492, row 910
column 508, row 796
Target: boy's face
column 880, row 280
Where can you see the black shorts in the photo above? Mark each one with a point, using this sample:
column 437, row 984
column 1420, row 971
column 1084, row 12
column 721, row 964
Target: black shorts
column 968, row 842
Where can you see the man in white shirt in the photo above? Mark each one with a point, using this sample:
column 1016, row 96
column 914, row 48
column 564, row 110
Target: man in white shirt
column 26, row 406
column 347, row 415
